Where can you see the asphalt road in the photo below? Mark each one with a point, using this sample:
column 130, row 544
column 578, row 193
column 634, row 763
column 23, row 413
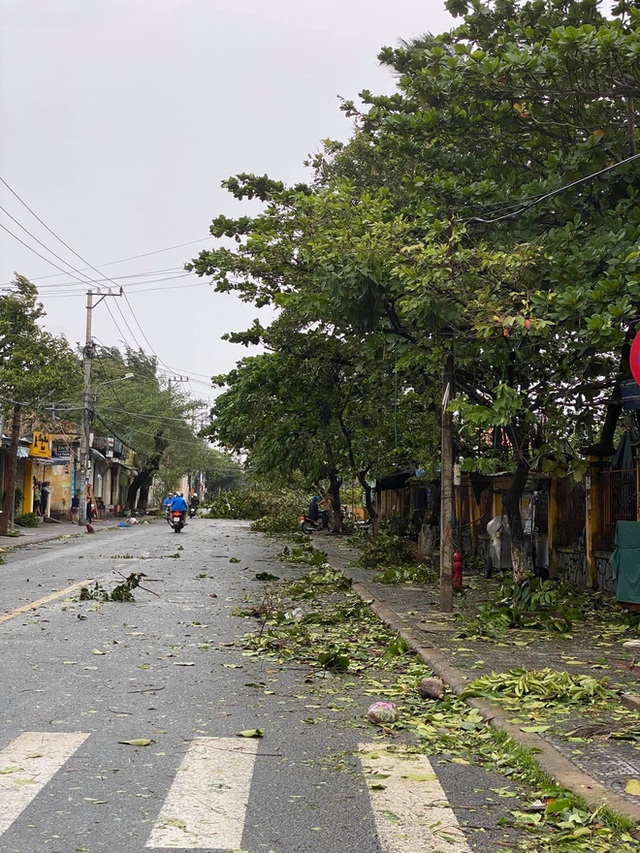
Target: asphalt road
column 78, row 679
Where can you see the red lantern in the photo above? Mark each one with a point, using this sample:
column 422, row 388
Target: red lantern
column 456, row 564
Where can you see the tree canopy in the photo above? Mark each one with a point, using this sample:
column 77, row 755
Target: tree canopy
column 486, row 209
column 36, row 369
column 156, row 420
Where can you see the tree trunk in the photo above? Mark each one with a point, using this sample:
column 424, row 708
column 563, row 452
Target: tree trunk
column 12, row 469
column 605, row 445
column 428, row 537
column 143, row 479
column 514, row 495
column 368, row 500
column 334, row 490
column 143, row 497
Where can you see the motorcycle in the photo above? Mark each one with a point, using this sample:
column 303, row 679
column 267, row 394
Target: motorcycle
column 176, row 520
column 313, row 525
column 193, row 510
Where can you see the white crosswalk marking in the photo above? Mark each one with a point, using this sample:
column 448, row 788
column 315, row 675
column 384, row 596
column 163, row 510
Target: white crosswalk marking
column 207, row 802
column 410, row 808
column 27, row 764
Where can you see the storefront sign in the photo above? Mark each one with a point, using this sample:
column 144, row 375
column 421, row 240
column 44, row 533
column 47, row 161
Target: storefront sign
column 41, row 445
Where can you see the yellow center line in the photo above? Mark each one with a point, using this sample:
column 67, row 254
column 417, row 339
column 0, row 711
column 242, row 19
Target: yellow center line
column 33, row 605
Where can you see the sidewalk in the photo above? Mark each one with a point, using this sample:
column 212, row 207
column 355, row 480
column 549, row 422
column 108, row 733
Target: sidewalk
column 597, row 766
column 52, row 530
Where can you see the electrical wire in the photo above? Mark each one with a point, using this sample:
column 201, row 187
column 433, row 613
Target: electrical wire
column 39, row 242
column 35, row 252
column 151, row 277
column 200, row 443
column 105, row 278
column 173, row 287
column 133, row 257
column 144, row 417
column 204, row 382
column 133, row 314
column 57, row 237
column 83, row 281
column 525, row 204
column 78, row 255
column 97, row 282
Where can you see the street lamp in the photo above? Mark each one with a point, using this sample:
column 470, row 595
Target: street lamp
column 85, row 437
column 111, row 381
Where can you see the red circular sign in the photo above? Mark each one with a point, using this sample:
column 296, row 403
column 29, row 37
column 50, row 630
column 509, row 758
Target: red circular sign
column 634, row 358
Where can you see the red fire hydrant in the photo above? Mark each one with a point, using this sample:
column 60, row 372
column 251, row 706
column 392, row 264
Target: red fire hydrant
column 456, row 565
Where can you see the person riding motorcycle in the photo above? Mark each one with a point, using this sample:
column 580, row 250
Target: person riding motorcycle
column 314, row 514
column 326, row 510
column 166, row 505
column 178, row 504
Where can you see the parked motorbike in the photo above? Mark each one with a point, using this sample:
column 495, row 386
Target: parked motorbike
column 312, row 525
column 176, row 521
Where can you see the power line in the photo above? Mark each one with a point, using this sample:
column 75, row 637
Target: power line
column 35, row 252
column 201, row 443
column 39, row 242
column 142, row 416
column 526, row 204
column 53, row 233
column 95, row 269
column 170, row 371
column 83, row 279
column 78, row 255
column 133, row 314
column 170, row 288
column 150, row 277
column 133, row 257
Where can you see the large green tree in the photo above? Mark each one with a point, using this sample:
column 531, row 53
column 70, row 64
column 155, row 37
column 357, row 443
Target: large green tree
column 36, row 369
column 155, row 419
column 486, row 209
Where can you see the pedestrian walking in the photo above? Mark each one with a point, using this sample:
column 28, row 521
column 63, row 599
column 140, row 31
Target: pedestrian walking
column 44, row 497
column 75, row 507
column 36, row 497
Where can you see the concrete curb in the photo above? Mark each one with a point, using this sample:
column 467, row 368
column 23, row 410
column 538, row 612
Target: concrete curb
column 15, row 544
column 556, row 765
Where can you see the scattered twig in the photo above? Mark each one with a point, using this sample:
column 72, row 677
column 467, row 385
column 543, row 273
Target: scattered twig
column 139, row 585
column 148, row 689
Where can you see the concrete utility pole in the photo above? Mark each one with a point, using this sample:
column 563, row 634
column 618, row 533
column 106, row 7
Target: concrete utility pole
column 446, row 490
column 88, row 353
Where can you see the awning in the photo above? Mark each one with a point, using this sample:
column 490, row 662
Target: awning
column 53, row 460
column 124, row 465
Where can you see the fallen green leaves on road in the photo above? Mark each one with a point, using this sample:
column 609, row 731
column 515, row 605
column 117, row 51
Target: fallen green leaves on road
column 318, row 622
column 304, row 553
column 121, row 592
column 496, row 610
column 544, row 684
column 139, row 741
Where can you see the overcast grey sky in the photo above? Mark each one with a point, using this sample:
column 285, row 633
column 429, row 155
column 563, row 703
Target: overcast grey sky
column 120, row 118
